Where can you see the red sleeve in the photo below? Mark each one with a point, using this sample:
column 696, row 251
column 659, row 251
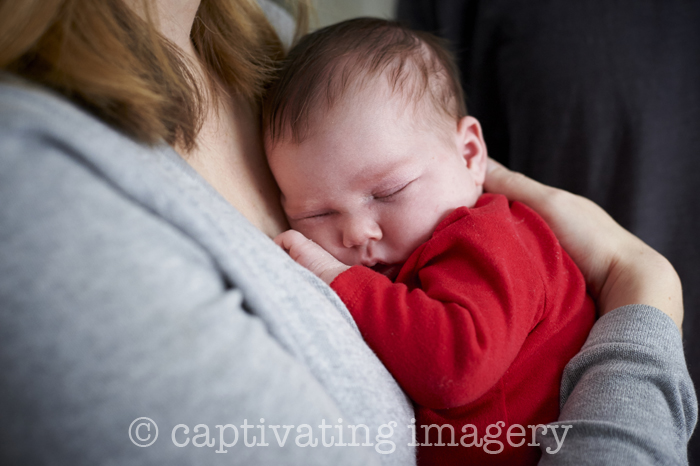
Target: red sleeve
column 462, row 306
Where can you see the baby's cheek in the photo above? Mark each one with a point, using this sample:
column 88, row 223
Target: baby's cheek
column 415, row 232
column 343, row 254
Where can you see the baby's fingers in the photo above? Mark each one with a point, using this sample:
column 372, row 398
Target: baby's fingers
column 289, row 239
column 299, row 247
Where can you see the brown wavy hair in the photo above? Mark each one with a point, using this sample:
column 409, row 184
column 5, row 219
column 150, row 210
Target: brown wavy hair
column 109, row 60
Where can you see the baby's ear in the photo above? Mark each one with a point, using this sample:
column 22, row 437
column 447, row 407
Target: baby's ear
column 473, row 148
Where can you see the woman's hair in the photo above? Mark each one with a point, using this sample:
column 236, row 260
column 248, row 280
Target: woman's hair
column 106, row 58
column 343, row 57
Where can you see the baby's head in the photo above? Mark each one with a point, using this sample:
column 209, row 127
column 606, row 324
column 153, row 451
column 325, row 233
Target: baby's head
column 367, row 135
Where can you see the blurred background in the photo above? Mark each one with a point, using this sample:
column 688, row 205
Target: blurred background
column 332, row 11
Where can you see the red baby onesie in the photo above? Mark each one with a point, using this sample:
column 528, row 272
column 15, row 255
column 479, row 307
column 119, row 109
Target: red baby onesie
column 477, row 328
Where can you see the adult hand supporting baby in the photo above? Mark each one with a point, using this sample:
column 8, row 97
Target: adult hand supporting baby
column 310, row 255
column 619, row 268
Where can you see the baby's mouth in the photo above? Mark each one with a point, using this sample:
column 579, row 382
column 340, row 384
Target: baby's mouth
column 390, row 271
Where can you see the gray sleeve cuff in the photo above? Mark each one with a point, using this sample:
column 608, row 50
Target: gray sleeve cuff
column 638, row 324
column 627, row 395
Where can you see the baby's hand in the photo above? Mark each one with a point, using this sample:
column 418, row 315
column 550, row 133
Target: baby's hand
column 310, row 255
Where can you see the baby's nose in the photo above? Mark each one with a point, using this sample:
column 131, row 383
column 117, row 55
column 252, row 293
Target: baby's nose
column 360, row 231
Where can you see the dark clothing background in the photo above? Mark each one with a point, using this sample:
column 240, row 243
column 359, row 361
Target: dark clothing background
column 599, row 97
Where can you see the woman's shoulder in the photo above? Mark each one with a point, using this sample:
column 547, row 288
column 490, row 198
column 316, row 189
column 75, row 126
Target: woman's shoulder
column 68, row 179
column 77, row 205
column 35, row 120
column 25, row 105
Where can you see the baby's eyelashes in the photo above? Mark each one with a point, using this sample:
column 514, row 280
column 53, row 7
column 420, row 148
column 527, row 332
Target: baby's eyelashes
column 380, row 195
column 324, row 214
column 296, row 216
column 315, row 216
column 387, row 195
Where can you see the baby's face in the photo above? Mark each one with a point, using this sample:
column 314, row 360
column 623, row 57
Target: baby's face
column 369, row 185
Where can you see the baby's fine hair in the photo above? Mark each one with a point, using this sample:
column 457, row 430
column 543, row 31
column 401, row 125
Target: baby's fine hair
column 321, row 68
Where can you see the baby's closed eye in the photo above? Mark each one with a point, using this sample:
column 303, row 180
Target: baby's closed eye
column 391, row 193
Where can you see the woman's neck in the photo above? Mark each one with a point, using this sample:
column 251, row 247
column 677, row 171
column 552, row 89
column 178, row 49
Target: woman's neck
column 173, row 18
column 230, row 156
column 229, row 152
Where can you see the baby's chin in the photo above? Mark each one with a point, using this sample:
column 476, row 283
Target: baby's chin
column 391, row 271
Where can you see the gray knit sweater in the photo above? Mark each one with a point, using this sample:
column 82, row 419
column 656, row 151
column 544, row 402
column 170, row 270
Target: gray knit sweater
column 129, row 288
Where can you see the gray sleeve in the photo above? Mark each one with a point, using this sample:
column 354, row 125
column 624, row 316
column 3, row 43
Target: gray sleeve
column 627, row 396
column 108, row 314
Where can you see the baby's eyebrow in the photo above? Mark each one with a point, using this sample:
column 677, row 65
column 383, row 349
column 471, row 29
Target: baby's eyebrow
column 379, row 173
column 392, row 175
